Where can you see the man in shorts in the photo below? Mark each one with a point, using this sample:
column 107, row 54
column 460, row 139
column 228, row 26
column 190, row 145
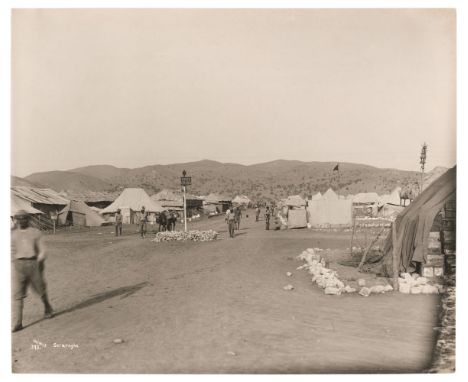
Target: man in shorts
column 143, row 220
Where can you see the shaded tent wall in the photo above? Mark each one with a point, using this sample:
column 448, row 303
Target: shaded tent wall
column 330, row 212
column 297, row 218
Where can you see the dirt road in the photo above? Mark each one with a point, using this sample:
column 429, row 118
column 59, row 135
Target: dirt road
column 215, row 307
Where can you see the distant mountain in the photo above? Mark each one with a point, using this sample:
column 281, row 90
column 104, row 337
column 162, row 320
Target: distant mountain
column 270, row 180
column 66, row 180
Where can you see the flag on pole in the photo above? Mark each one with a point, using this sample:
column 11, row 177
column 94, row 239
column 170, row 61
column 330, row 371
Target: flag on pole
column 336, row 168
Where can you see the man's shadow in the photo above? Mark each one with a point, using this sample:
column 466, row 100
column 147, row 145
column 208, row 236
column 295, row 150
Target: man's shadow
column 124, row 292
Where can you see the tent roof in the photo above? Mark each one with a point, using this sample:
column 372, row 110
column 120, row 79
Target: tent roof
column 414, row 223
column 217, row 198
column 295, row 201
column 330, row 195
column 366, row 197
column 39, row 195
column 20, row 204
column 317, row 196
column 241, row 199
column 90, row 196
column 166, row 195
column 134, row 198
column 92, row 218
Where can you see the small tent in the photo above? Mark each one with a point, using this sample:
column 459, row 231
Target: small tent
column 413, row 225
column 241, row 200
column 78, row 213
column 330, row 195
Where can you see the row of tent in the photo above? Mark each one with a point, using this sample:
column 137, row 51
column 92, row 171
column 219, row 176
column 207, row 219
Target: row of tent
column 296, row 201
column 46, row 203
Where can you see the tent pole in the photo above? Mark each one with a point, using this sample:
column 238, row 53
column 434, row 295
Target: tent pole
column 395, row 261
column 369, row 248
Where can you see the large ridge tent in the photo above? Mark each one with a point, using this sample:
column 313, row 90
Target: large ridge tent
column 130, row 202
column 330, row 212
column 77, row 213
column 413, row 225
column 330, row 195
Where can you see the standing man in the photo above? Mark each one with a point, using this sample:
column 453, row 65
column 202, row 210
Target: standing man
column 28, row 255
column 118, row 223
column 238, row 214
column 257, row 213
column 231, row 221
column 143, row 220
column 267, row 218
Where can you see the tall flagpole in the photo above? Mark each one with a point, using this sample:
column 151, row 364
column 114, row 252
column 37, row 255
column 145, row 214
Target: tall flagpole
column 185, row 212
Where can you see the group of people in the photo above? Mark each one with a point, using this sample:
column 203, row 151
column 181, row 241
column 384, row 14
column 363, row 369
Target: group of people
column 167, row 222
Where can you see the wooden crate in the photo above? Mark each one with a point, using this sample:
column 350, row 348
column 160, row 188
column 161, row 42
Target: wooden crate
column 435, row 260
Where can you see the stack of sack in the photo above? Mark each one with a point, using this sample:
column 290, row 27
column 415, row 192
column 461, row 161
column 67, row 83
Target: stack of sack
column 184, row 236
column 324, row 277
column 414, row 284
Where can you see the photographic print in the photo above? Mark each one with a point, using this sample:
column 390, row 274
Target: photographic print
column 234, row 191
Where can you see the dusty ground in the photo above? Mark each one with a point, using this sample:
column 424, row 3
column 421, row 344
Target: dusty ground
column 216, row 307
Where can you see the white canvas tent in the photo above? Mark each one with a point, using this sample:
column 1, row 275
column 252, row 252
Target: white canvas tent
column 130, row 202
column 329, row 212
column 330, row 195
column 241, row 200
column 366, row 198
column 317, row 196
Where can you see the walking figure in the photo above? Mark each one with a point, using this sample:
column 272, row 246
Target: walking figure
column 267, row 218
column 231, row 221
column 118, row 223
column 257, row 213
column 238, row 215
column 28, row 255
column 143, row 220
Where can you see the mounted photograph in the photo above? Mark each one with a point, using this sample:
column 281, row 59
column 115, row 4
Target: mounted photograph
column 233, row 191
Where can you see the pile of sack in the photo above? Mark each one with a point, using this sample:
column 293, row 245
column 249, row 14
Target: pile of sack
column 195, row 235
column 324, row 277
column 328, row 279
column 415, row 284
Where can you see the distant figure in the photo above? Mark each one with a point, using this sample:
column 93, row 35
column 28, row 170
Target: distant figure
column 238, row 216
column 28, row 255
column 118, row 223
column 143, row 220
column 231, row 221
column 171, row 221
column 267, row 218
column 257, row 213
column 162, row 220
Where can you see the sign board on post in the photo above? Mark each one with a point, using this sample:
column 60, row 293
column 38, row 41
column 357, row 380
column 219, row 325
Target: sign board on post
column 185, row 180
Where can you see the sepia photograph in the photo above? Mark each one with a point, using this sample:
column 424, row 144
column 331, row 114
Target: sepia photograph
column 233, row 191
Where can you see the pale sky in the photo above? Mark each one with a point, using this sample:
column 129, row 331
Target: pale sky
column 139, row 87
